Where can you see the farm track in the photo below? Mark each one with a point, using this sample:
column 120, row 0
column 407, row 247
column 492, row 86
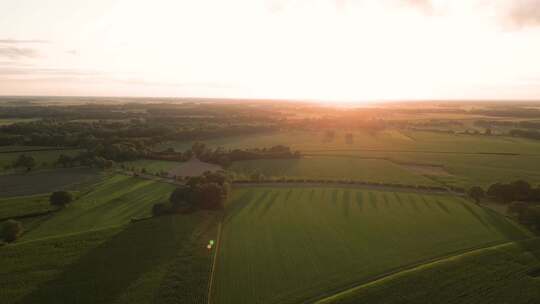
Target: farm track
column 287, row 185
column 38, row 150
column 341, row 185
column 406, row 268
column 308, row 152
column 214, row 263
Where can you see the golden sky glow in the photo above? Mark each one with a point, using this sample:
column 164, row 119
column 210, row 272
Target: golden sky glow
column 333, row 50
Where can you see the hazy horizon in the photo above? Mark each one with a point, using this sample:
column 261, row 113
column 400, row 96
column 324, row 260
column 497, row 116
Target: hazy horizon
column 342, row 50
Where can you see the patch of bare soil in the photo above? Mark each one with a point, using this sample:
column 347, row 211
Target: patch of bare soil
column 193, row 167
column 434, row 170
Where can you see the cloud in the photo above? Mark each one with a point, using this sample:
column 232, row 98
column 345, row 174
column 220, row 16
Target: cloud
column 21, row 41
column 524, row 13
column 12, row 52
column 418, row 3
column 50, row 72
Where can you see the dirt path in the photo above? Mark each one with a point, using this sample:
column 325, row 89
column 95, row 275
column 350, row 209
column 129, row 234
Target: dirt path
column 325, row 298
column 308, row 152
column 341, row 185
column 214, row 264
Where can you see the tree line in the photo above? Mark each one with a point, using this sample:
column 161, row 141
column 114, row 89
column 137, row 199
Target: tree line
column 521, row 199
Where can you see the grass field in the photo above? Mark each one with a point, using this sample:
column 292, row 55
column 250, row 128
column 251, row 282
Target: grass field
column 21, row 205
column 161, row 260
column 389, row 140
column 503, row 274
column 114, row 202
column 44, row 159
column 337, row 168
column 285, row 245
column 10, row 121
column 47, row 181
column 466, row 157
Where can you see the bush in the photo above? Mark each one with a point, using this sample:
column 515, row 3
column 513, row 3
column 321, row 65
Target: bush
column 159, row 209
column 11, row 230
column 60, row 198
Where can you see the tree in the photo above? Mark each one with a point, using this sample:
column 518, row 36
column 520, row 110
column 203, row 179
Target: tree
column 215, row 177
column 210, row 196
column 182, row 197
column 25, row 161
column 521, row 189
column 476, row 193
column 11, row 230
column 530, row 217
column 60, row 198
column 198, row 148
column 502, row 192
column 256, row 177
column 64, row 160
column 517, row 208
column 159, row 209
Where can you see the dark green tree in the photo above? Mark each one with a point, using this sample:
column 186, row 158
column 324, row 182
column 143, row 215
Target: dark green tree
column 64, row 160
column 60, row 198
column 476, row 193
column 11, row 230
column 24, row 161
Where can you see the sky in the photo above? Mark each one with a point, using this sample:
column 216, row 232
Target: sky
column 342, row 50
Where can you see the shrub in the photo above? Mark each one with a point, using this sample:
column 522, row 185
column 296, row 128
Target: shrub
column 159, row 209
column 11, row 230
column 60, row 198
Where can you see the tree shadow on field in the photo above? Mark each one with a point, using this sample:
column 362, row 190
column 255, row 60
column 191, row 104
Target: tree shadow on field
column 102, row 274
column 269, row 204
column 426, row 202
column 345, row 202
column 386, row 201
column 311, row 195
column 288, row 195
column 474, row 213
column 334, row 196
column 398, row 198
column 234, row 207
column 413, row 204
column 373, row 200
column 503, row 225
column 442, row 206
column 256, row 204
column 359, row 200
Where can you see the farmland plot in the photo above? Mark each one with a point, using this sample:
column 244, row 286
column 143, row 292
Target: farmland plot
column 336, row 168
column 283, row 245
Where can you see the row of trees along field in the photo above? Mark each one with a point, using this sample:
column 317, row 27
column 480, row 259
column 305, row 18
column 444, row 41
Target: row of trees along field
column 11, row 229
column 223, row 157
column 520, row 197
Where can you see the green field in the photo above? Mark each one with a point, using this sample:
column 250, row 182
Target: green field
column 336, row 168
column 47, row 181
column 113, row 202
column 469, row 159
column 22, row 205
column 387, row 140
column 155, row 261
column 10, row 121
column 287, row 245
column 498, row 275
column 44, row 159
